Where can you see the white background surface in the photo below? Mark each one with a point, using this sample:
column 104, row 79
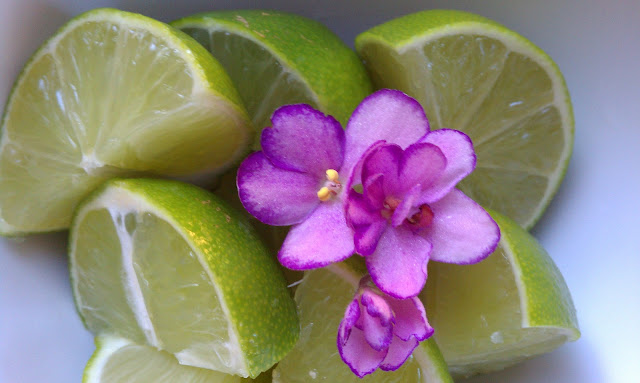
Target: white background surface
column 592, row 228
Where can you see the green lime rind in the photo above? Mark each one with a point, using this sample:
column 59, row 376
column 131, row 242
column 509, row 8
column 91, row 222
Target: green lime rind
column 249, row 283
column 432, row 363
column 545, row 297
column 382, row 46
column 293, row 40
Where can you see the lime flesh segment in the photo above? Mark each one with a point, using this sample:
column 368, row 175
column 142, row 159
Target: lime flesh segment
column 117, row 360
column 322, row 298
column 512, row 306
column 112, row 93
column 169, row 265
column 276, row 58
column 474, row 75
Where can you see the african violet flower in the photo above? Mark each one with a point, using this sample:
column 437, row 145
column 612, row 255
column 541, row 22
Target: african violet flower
column 410, row 212
column 380, row 331
column 306, row 164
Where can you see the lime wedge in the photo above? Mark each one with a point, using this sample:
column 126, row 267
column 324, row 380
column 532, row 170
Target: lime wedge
column 474, row 75
column 117, row 360
column 169, row 265
column 322, row 298
column 111, row 93
column 512, row 306
column 275, row 58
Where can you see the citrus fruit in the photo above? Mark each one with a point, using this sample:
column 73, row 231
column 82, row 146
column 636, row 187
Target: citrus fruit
column 118, row 360
column 322, row 298
column 512, row 306
column 112, row 93
column 169, row 265
column 475, row 75
column 275, row 58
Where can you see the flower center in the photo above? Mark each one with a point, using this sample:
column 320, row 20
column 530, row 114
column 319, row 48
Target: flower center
column 422, row 218
column 332, row 186
column 389, row 206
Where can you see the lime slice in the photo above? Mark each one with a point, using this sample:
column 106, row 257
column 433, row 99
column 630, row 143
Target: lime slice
column 111, row 93
column 322, row 298
column 474, row 75
column 276, row 58
column 117, row 360
column 512, row 306
column 169, row 265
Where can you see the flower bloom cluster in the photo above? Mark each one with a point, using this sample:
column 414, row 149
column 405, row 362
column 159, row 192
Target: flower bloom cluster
column 407, row 213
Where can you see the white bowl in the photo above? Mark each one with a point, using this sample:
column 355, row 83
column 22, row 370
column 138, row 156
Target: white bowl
column 592, row 228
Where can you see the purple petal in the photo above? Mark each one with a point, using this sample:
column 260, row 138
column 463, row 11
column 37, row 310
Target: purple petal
column 358, row 355
column 386, row 161
column 323, row 238
column 388, row 115
column 366, row 238
column 358, row 212
column 462, row 231
column 411, row 319
column 373, row 191
column 351, row 316
column 367, row 224
column 377, row 320
column 421, row 164
column 273, row 195
column 356, row 172
column 406, row 207
column 304, row 139
column 399, row 265
column 461, row 160
column 399, row 352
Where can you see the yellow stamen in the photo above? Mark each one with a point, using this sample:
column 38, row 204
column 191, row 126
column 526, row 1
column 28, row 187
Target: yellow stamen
column 324, row 194
column 332, row 175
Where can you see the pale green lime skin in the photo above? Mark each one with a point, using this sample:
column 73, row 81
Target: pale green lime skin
column 389, row 38
column 248, row 278
column 208, row 66
column 332, row 71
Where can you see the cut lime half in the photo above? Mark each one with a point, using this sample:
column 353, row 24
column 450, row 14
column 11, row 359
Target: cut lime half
column 112, row 93
column 512, row 306
column 169, row 265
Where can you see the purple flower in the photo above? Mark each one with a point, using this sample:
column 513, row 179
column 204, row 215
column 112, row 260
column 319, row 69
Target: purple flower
column 410, row 212
column 307, row 163
column 380, row 331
